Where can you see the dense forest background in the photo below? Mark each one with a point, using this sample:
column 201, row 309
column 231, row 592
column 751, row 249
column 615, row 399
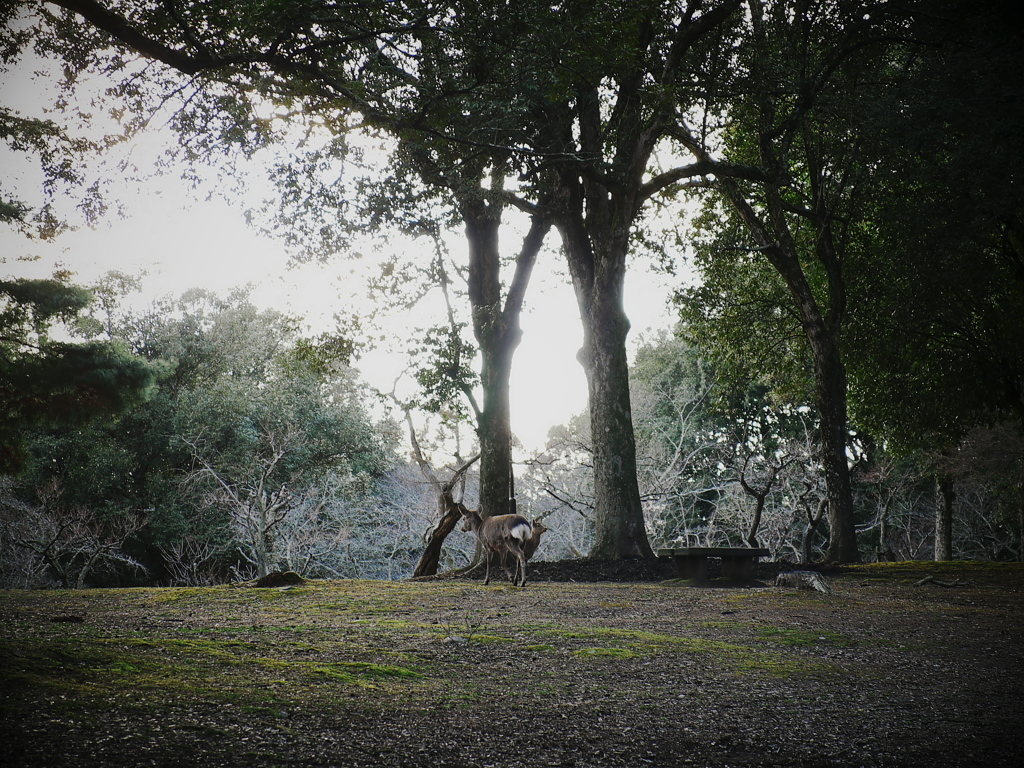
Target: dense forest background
column 845, row 380
column 256, row 450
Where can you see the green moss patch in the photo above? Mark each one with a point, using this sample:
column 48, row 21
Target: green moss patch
column 606, row 653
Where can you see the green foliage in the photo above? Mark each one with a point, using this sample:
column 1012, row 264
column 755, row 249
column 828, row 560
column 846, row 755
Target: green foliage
column 893, row 159
column 740, row 315
column 46, row 383
column 675, row 389
column 696, row 430
column 320, row 356
column 444, row 373
column 32, row 305
column 940, row 323
column 60, row 158
column 232, row 377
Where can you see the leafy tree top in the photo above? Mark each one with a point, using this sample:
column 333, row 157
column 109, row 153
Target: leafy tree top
column 46, row 382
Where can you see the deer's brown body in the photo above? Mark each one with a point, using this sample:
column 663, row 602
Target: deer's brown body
column 529, row 546
column 499, row 535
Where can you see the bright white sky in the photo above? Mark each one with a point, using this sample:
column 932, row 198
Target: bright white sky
column 184, row 241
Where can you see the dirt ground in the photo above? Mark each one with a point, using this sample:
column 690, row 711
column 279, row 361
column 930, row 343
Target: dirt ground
column 591, row 664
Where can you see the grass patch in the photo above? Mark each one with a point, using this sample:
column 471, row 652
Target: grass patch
column 733, row 656
column 606, row 653
column 244, row 678
column 381, row 645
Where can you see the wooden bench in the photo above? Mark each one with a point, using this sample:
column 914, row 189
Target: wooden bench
column 692, row 562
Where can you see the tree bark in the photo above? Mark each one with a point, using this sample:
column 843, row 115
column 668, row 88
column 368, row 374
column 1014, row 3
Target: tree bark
column 760, row 495
column 884, row 554
column 497, row 340
column 449, row 512
column 944, row 498
column 755, row 522
column 598, row 280
column 618, row 513
column 498, row 333
column 813, row 519
column 830, row 376
column 431, row 557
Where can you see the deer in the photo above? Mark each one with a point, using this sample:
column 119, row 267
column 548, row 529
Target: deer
column 529, row 546
column 499, row 535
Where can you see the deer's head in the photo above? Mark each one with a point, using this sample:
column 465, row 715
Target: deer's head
column 470, row 517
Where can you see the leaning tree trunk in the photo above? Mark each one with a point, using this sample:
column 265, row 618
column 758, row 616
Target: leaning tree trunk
column 823, row 333
column 449, row 512
column 431, row 557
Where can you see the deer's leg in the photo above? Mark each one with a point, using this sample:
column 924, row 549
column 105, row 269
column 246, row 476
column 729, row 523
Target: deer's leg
column 517, row 552
column 502, row 559
column 504, row 564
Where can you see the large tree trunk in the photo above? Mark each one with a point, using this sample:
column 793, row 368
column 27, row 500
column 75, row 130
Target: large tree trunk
column 944, row 497
column 598, row 280
column 494, row 429
column 496, row 345
column 830, row 375
column 596, row 149
column 498, row 333
column 618, row 514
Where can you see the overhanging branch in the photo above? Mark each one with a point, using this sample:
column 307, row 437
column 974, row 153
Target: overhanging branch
column 703, row 167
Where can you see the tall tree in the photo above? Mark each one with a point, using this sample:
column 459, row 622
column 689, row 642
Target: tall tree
column 940, row 333
column 808, row 75
column 474, row 92
column 439, row 79
column 618, row 77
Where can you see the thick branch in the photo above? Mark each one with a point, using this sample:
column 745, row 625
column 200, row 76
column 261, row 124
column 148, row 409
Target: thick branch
column 703, row 167
column 539, row 227
column 120, row 28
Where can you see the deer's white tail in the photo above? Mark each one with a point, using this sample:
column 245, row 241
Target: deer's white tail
column 521, row 531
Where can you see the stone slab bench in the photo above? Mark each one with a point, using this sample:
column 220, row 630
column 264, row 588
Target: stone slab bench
column 692, row 562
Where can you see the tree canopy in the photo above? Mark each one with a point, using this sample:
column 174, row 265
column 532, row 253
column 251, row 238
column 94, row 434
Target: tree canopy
column 45, row 382
column 239, row 423
column 860, row 249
